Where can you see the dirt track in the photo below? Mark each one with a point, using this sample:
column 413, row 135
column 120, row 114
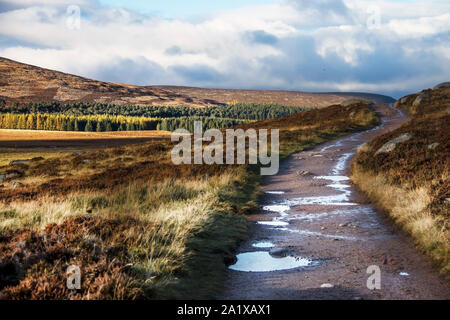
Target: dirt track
column 318, row 221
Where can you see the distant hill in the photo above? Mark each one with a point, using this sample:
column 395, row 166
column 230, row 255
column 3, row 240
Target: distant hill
column 26, row 83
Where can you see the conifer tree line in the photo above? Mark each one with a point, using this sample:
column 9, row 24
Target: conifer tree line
column 102, row 123
column 98, row 117
column 235, row 110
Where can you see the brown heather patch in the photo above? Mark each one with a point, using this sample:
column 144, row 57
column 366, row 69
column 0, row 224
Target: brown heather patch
column 33, row 263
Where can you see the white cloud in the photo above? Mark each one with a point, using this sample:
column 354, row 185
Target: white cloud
column 296, row 44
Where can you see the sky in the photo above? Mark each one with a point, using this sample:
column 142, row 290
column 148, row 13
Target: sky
column 380, row 46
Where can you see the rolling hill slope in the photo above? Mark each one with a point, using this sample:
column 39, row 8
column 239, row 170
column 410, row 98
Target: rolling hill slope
column 25, row 83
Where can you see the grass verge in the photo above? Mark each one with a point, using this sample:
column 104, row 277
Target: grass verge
column 406, row 172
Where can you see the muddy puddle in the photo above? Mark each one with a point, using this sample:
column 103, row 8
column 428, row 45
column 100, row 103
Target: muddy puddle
column 404, row 274
column 263, row 245
column 275, row 192
column 274, row 223
column 262, row 261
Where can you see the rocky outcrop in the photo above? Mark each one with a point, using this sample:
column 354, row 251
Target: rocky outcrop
column 433, row 146
column 419, row 99
column 390, row 146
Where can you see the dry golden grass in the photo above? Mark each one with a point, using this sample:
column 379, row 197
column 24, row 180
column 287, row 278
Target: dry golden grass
column 42, row 135
column 177, row 210
column 409, row 209
column 28, row 144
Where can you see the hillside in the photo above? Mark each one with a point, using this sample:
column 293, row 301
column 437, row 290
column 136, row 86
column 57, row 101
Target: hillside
column 25, row 83
column 406, row 172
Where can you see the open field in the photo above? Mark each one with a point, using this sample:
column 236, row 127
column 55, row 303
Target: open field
column 136, row 224
column 406, row 172
column 28, row 144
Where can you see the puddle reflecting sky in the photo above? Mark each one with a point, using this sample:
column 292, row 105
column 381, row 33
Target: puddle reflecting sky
column 263, row 244
column 261, row 261
column 278, row 208
column 275, row 192
column 274, row 223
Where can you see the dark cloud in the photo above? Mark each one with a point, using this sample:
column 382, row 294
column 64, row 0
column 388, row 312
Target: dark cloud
column 198, row 74
column 173, row 51
column 325, row 7
column 140, row 71
column 262, row 37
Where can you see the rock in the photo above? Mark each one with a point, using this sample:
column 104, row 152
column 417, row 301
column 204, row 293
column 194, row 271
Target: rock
column 327, row 286
column 9, row 175
column 278, row 252
column 14, row 162
column 322, row 228
column 433, row 146
column 390, row 146
column 442, row 85
column 403, row 100
column 86, row 161
column 16, row 184
column 419, row 99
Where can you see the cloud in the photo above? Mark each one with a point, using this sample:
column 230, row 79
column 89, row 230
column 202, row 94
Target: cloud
column 324, row 45
column 262, row 37
column 201, row 74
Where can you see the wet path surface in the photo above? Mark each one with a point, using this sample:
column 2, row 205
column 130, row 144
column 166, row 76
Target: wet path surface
column 316, row 235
